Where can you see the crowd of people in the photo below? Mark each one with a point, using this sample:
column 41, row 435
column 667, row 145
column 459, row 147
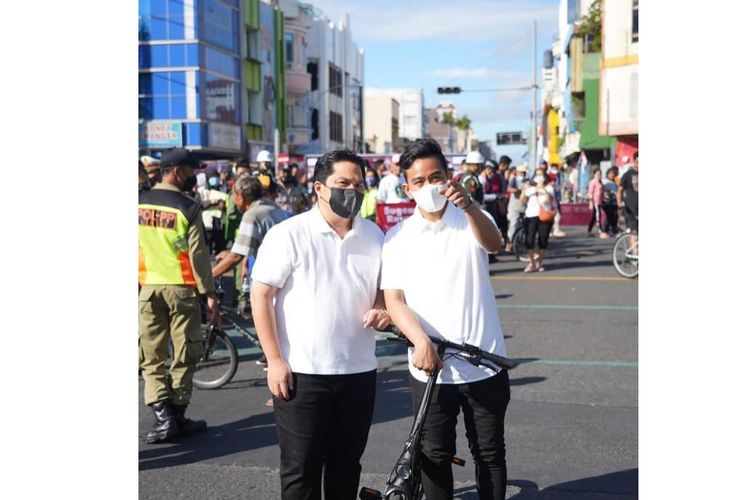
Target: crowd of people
column 319, row 274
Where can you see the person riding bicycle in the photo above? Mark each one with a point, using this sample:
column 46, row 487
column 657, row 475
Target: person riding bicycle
column 435, row 279
column 173, row 268
column 628, row 191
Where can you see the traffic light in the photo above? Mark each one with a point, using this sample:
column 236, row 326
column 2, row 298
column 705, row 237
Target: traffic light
column 449, row 90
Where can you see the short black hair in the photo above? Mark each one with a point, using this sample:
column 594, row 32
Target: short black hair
column 423, row 148
column 324, row 165
column 505, row 159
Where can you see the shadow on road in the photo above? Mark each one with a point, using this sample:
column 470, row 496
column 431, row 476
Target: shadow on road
column 622, row 483
column 526, row 380
column 250, row 433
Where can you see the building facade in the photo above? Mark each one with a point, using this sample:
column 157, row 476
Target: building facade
column 336, row 68
column 412, row 115
column 208, row 74
column 618, row 91
column 443, row 134
column 382, row 124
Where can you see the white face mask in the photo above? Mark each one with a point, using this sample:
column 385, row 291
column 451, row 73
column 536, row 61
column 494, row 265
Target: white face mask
column 429, row 199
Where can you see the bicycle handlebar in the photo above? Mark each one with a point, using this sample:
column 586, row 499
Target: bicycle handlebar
column 470, row 353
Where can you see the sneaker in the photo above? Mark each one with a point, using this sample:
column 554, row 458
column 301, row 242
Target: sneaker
column 558, row 234
column 603, row 236
column 539, row 267
column 530, row 268
column 262, row 361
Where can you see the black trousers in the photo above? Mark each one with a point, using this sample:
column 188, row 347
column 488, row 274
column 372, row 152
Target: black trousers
column 611, row 213
column 322, row 431
column 533, row 227
column 483, row 404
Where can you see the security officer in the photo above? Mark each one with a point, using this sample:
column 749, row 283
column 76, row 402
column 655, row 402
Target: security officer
column 470, row 178
column 173, row 267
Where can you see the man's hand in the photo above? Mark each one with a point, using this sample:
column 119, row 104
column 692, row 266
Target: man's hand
column 280, row 381
column 376, row 318
column 214, row 317
column 425, row 357
column 457, row 195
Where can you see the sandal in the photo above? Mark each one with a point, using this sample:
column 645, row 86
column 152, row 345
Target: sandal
column 530, row 268
column 540, row 268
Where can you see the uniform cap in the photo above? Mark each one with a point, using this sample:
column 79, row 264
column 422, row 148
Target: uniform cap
column 522, row 167
column 179, row 157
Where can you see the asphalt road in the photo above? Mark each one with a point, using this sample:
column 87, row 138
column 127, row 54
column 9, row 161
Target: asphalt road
column 571, row 426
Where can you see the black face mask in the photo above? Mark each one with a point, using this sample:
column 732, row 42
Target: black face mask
column 189, row 183
column 346, row 202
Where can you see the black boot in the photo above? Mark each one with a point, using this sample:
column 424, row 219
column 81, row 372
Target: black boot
column 186, row 425
column 165, row 426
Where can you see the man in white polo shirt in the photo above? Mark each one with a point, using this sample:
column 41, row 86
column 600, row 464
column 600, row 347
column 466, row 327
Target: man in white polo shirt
column 314, row 296
column 436, row 281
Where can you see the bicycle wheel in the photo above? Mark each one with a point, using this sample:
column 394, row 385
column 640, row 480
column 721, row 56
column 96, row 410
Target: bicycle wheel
column 219, row 362
column 519, row 243
column 625, row 256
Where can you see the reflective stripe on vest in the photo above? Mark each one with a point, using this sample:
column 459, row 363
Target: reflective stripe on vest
column 163, row 256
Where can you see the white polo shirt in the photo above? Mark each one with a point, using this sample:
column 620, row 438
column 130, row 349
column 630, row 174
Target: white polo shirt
column 444, row 274
column 326, row 284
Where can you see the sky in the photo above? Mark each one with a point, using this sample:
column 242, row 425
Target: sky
column 472, row 44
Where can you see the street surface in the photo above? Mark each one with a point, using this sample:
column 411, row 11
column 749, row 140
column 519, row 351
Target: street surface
column 572, row 423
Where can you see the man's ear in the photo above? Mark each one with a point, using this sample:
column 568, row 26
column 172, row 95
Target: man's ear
column 405, row 188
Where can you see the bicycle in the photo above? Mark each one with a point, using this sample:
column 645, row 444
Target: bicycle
column 518, row 240
column 625, row 254
column 405, row 480
column 220, row 359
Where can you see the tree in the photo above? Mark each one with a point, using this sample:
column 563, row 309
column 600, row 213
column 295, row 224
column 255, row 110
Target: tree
column 590, row 28
column 464, row 124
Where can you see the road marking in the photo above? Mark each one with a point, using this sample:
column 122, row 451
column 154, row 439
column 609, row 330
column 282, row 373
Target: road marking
column 572, row 362
column 561, row 306
column 560, row 278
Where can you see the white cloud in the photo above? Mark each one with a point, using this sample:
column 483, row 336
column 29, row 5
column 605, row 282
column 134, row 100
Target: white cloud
column 469, row 20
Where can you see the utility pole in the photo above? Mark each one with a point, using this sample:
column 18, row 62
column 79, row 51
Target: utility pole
column 533, row 112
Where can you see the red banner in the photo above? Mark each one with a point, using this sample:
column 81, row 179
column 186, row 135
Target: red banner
column 390, row 214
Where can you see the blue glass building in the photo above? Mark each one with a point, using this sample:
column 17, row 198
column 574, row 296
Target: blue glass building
column 190, row 76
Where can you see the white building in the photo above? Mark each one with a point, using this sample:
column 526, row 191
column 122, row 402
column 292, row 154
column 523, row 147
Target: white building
column 336, row 67
column 412, row 116
column 297, row 21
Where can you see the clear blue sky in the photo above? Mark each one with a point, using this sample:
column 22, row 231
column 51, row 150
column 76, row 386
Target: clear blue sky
column 472, row 44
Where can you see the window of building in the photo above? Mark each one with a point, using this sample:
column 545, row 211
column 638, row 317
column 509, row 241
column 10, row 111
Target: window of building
column 289, row 49
column 315, row 124
column 335, row 126
column 162, row 95
column 220, row 62
column 251, row 40
column 219, row 24
column 635, row 21
column 335, row 80
column 220, row 99
column 161, row 20
column 312, row 70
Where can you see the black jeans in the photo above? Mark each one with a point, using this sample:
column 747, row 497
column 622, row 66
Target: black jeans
column 534, row 226
column 596, row 218
column 483, row 404
column 322, row 430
